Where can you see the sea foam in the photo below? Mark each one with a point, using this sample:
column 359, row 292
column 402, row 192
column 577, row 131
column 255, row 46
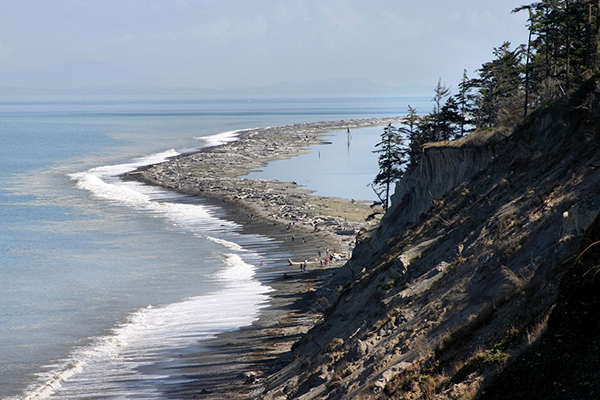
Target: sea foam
column 147, row 346
column 221, row 138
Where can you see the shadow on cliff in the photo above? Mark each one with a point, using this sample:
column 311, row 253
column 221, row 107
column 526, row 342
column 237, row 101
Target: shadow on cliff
column 565, row 363
column 472, row 264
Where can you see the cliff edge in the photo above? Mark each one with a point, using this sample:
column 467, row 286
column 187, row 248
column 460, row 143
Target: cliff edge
column 468, row 274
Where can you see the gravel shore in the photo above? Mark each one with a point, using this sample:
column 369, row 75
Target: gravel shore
column 305, row 227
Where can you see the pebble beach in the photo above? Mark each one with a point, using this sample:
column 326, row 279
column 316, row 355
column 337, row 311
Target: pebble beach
column 308, row 229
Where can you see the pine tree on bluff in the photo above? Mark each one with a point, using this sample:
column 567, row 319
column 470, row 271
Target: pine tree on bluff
column 440, row 128
column 500, row 87
column 414, row 134
column 392, row 157
column 466, row 103
column 562, row 52
column 563, row 47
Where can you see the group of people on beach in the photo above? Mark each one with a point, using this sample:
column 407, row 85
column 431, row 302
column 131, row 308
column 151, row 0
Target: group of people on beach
column 323, row 262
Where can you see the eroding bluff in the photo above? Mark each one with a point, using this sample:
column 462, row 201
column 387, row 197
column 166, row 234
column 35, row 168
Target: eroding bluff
column 459, row 280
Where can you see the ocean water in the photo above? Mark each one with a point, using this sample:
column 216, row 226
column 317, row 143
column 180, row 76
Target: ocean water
column 105, row 283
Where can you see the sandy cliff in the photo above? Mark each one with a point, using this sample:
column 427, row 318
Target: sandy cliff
column 441, row 168
column 458, row 282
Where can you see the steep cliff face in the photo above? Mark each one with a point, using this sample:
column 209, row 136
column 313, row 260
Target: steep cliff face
column 442, row 167
column 463, row 272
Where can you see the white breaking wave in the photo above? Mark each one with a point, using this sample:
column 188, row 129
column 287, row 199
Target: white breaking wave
column 153, row 336
column 150, row 341
column 221, row 138
column 104, row 183
column 236, row 269
column 226, row 243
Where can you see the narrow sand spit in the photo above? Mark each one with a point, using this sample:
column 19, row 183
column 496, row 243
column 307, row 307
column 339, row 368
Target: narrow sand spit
column 215, row 173
column 306, row 227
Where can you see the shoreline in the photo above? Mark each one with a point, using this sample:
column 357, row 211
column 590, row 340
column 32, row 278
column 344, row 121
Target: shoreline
column 302, row 225
column 232, row 365
column 215, row 173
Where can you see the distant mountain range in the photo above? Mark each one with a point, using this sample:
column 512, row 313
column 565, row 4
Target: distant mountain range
column 103, row 78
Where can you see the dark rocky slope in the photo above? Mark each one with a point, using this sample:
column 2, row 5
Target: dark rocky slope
column 473, row 283
column 565, row 362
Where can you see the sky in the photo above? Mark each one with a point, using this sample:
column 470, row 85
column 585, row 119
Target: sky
column 224, row 44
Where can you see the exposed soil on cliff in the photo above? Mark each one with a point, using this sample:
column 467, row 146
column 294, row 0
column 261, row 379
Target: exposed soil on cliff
column 565, row 362
column 462, row 290
column 438, row 308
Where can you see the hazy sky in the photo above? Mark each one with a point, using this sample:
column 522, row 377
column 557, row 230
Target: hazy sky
column 246, row 43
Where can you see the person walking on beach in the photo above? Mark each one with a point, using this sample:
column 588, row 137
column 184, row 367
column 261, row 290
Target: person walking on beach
column 305, row 265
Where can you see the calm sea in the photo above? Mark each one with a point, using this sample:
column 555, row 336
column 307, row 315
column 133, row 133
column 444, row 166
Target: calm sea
column 104, row 283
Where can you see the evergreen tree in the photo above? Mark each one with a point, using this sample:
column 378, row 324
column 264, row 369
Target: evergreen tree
column 500, row 85
column 450, row 120
column 465, row 100
column 564, row 46
column 562, row 52
column 441, row 93
column 392, row 157
column 413, row 133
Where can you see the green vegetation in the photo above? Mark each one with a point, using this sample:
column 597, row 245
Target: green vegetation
column 494, row 357
column 391, row 158
column 478, row 330
column 562, row 53
column 562, row 50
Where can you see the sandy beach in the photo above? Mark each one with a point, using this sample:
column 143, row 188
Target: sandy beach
column 305, row 227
